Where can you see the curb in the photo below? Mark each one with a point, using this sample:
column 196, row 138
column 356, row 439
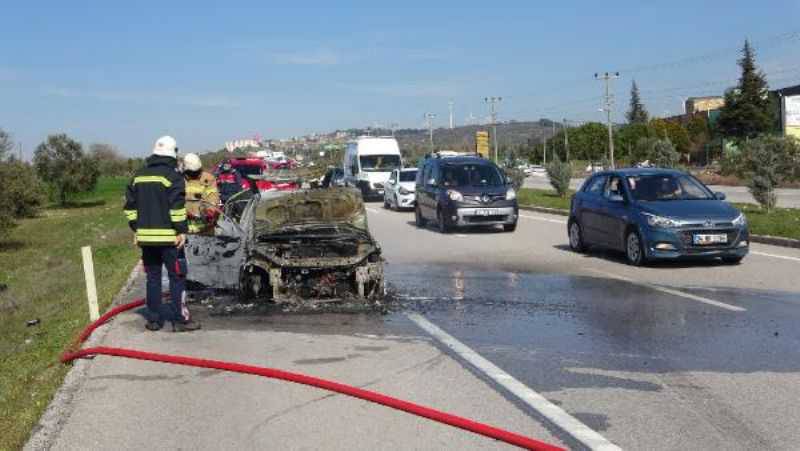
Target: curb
column 775, row 241
column 763, row 239
column 50, row 423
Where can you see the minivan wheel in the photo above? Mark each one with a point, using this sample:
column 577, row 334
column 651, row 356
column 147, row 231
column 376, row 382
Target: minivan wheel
column 509, row 227
column 634, row 250
column 418, row 217
column 443, row 227
column 386, row 204
column 575, row 237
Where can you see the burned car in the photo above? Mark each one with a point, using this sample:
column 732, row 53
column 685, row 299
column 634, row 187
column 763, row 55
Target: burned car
column 305, row 247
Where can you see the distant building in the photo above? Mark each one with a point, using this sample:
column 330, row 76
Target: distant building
column 241, row 144
column 790, row 110
column 704, row 104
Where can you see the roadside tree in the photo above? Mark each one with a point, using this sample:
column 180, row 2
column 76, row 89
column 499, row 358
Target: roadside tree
column 560, row 174
column 637, row 114
column 748, row 110
column 61, row 162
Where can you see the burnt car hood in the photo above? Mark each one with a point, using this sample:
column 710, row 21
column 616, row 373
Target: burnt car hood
column 308, row 209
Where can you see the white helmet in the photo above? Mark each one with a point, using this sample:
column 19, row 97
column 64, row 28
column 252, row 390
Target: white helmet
column 166, row 147
column 191, row 162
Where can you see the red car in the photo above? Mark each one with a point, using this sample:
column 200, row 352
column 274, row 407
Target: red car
column 256, row 166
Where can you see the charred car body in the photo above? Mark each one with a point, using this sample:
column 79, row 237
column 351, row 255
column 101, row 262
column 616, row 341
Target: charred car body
column 304, row 247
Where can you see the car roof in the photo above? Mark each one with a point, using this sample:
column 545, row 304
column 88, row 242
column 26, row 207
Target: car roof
column 464, row 160
column 628, row 172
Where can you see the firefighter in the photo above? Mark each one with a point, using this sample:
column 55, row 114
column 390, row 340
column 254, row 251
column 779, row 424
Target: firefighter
column 202, row 197
column 155, row 207
column 229, row 181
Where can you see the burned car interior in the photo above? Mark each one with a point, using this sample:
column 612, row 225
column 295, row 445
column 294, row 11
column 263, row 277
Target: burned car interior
column 304, row 247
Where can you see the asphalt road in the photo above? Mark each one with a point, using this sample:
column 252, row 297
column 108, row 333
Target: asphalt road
column 508, row 328
column 787, row 197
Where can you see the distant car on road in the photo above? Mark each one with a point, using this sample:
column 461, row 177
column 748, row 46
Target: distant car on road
column 464, row 191
column 655, row 214
column 399, row 189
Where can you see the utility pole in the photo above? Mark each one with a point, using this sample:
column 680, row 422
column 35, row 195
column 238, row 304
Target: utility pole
column 566, row 139
column 20, row 151
column 452, row 124
column 429, row 118
column 544, row 151
column 393, row 125
column 609, row 103
column 492, row 101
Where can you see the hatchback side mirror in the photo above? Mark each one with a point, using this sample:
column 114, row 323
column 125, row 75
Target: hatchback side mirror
column 719, row 196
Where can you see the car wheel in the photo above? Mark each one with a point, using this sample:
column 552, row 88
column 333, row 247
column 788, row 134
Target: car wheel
column 418, row 217
column 735, row 260
column 576, row 237
column 509, row 227
column 386, row 204
column 443, row 227
column 634, row 250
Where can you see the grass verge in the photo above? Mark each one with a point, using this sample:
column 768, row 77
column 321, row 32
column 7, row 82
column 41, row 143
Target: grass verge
column 781, row 222
column 41, row 269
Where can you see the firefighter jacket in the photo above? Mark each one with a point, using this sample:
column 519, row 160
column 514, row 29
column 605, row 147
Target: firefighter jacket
column 154, row 203
column 202, row 200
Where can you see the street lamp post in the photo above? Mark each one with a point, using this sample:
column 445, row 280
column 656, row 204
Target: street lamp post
column 492, row 101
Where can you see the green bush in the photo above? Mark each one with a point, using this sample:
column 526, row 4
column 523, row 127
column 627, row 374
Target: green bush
column 560, row 174
column 61, row 162
column 766, row 162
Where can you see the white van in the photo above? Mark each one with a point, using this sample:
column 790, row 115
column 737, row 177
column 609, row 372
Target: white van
column 368, row 163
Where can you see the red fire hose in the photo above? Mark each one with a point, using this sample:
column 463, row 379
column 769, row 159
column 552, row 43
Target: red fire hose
column 479, row 428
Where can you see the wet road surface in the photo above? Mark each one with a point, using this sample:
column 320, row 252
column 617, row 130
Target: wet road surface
column 679, row 355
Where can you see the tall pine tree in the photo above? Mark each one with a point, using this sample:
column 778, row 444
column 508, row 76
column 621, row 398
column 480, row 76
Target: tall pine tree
column 748, row 111
column 637, row 114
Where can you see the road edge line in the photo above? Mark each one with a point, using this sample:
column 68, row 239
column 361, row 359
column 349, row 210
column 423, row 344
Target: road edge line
column 537, row 402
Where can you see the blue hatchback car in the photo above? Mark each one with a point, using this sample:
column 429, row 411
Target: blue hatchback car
column 655, row 214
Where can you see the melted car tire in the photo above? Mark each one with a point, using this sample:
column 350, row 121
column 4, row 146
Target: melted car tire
column 420, row 221
column 634, row 251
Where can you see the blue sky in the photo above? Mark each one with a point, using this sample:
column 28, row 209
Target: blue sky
column 207, row 72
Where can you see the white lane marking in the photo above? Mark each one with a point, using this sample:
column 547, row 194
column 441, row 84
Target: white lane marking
column 374, row 210
column 539, row 403
column 539, row 218
column 785, row 257
column 693, row 297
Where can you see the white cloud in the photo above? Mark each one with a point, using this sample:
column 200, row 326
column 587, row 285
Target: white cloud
column 315, row 58
column 200, row 100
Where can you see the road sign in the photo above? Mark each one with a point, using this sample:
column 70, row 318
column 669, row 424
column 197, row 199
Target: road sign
column 482, row 143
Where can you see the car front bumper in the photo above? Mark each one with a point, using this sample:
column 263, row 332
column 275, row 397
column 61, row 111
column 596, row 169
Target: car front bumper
column 482, row 216
column 406, row 200
column 678, row 243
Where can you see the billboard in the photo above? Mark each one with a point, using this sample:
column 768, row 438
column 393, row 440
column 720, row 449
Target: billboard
column 791, row 116
column 482, row 143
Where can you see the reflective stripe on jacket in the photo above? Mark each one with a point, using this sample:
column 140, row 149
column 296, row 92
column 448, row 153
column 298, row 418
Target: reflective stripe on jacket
column 155, row 203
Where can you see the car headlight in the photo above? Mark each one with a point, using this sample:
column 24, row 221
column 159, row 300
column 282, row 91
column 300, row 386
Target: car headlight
column 660, row 221
column 404, row 191
column 511, row 194
column 454, row 195
column 740, row 220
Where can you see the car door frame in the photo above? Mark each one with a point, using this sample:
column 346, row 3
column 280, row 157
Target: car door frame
column 614, row 216
column 589, row 212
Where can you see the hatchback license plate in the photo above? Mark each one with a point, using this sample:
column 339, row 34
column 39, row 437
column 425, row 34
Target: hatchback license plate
column 486, row 212
column 707, row 239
